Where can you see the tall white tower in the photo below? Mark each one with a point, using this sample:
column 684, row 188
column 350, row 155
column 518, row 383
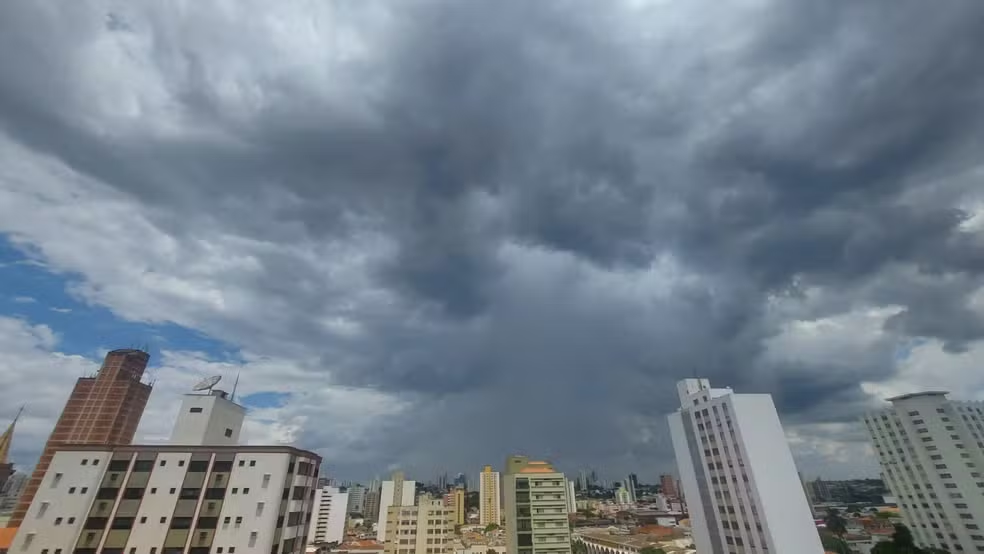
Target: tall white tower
column 738, row 474
column 208, row 419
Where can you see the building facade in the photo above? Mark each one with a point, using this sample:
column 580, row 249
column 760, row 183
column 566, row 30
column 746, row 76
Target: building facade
column 667, row 485
column 535, row 508
column 571, row 497
column 738, row 474
column 395, row 492
column 427, row 528
column 489, row 497
column 356, row 500
column 171, row 499
column 931, row 451
column 330, row 514
column 455, row 500
column 631, row 483
column 102, row 410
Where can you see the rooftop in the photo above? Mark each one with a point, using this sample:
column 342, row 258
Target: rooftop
column 918, row 394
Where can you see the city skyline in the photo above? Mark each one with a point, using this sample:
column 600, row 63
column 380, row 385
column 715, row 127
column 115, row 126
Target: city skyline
column 384, row 215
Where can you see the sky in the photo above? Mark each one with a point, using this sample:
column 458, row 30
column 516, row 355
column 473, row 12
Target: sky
column 427, row 234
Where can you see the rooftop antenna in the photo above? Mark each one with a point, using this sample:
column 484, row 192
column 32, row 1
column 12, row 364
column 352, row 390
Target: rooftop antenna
column 235, row 385
column 19, row 412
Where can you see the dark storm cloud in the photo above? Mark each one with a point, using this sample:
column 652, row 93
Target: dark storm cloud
column 819, row 150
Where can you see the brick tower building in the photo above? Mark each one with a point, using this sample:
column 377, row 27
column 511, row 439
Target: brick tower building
column 104, row 409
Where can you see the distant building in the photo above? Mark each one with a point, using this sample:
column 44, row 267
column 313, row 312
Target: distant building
column 102, row 410
column 738, row 474
column 395, row 492
column 175, row 497
column 631, row 483
column 534, row 490
column 356, row 500
column 667, row 485
column 11, row 492
column 622, row 496
column 489, row 494
column 821, row 491
column 571, row 497
column 328, row 516
column 944, row 441
column 455, row 500
column 424, row 529
column 6, row 466
column 461, row 481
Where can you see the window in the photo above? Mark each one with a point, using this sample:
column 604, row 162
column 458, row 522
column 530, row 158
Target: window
column 84, row 490
column 246, row 490
column 173, row 490
column 143, row 465
column 153, row 490
column 119, row 465
column 54, row 482
column 95, row 462
column 242, row 463
column 163, row 463
column 235, row 490
column 85, row 461
column 195, row 410
column 71, row 520
column 71, row 490
column 228, row 432
column 252, row 463
column 163, row 520
column 58, row 521
column 181, row 463
column 143, row 519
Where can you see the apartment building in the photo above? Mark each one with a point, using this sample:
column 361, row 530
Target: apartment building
column 489, row 494
column 395, row 492
column 174, row 498
column 535, row 506
column 738, row 474
column 931, row 451
column 427, row 528
column 330, row 515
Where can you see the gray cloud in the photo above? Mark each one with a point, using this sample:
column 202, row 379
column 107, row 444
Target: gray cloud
column 556, row 209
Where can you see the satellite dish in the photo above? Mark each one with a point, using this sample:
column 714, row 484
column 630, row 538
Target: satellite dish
column 207, row 383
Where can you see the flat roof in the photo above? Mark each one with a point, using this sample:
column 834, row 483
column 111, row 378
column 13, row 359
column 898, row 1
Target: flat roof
column 187, row 448
column 918, row 394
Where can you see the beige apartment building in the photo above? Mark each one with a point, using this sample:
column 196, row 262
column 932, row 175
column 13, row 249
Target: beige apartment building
column 427, row 528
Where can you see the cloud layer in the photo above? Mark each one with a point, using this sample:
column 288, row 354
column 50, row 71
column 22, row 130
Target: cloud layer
column 454, row 230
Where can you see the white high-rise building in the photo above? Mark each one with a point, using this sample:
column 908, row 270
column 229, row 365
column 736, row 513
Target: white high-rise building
column 738, row 474
column 489, row 495
column 931, row 452
column 395, row 492
column 328, row 516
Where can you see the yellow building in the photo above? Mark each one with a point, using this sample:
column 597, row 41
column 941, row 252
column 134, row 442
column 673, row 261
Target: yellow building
column 489, row 494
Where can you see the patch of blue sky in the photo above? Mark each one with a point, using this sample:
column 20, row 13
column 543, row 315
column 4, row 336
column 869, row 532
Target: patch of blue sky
column 31, row 291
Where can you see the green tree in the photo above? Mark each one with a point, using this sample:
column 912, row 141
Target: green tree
column 835, row 522
column 491, row 527
column 833, row 543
